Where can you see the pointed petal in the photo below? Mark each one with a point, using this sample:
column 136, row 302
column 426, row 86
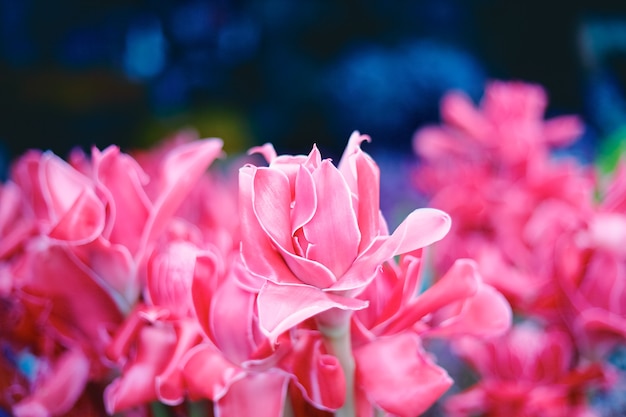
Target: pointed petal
column 267, row 151
column 305, row 203
column 458, row 284
column 284, row 306
column 421, row 228
column 397, row 375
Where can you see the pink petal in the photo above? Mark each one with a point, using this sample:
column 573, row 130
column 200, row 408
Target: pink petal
column 459, row 283
column 368, row 176
column 136, row 386
column 82, row 222
column 271, row 200
column 305, row 203
column 169, row 384
column 261, row 395
column 271, row 205
column 170, row 277
column 398, row 377
column 421, row 228
column 347, row 163
column 563, row 130
column 267, row 150
column 333, row 232
column 232, row 313
column 284, row 306
column 182, row 168
column 319, row 376
column 122, row 179
column 113, row 269
column 74, row 294
column 486, row 314
column 57, row 393
column 207, row 374
column 258, row 251
column 61, row 184
column 458, row 110
column 204, row 285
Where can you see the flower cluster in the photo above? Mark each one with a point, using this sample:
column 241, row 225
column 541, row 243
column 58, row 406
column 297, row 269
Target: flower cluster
column 139, row 282
column 547, row 232
column 165, row 282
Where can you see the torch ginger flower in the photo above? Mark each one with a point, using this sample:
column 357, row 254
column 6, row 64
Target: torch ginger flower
column 314, row 234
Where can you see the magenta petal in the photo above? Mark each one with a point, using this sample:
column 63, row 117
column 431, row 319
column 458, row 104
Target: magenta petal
column 397, row 375
column 259, row 395
column 57, row 393
column 333, row 232
column 284, row 306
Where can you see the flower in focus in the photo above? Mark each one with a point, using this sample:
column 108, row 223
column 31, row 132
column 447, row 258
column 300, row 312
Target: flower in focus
column 314, row 234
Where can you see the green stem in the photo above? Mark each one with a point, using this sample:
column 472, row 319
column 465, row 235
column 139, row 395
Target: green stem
column 159, row 409
column 197, row 408
column 288, row 406
column 336, row 333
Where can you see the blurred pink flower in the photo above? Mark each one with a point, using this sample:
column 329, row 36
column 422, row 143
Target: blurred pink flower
column 591, row 268
column 528, row 372
column 314, row 234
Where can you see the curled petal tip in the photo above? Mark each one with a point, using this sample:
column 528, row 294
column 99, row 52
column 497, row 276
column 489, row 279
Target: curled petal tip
column 267, row 151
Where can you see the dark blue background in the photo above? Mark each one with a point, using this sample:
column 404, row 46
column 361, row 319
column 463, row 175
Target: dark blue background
column 290, row 72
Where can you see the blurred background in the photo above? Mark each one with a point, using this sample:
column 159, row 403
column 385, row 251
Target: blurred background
column 129, row 72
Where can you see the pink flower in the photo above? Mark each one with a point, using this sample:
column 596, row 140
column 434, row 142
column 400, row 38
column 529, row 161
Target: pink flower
column 313, row 233
column 390, row 360
column 528, row 372
column 591, row 269
column 506, row 131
